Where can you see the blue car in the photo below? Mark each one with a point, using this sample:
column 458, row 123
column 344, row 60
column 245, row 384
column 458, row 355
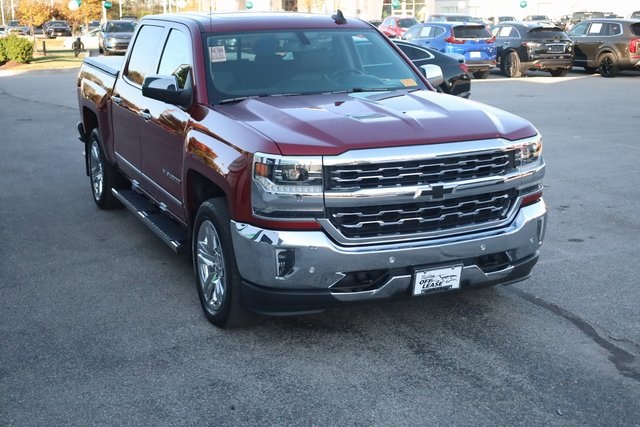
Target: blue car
column 471, row 40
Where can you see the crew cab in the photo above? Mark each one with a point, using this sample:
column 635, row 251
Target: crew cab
column 304, row 162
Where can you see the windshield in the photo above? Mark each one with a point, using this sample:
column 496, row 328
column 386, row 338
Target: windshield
column 407, row 22
column 297, row 62
column 120, row 27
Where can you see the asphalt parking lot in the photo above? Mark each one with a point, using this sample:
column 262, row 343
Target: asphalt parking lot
column 100, row 323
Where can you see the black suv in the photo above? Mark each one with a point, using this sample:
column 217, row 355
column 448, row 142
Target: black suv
column 531, row 46
column 607, row 45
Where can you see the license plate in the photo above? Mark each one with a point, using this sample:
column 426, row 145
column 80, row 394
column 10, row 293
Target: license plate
column 436, row 280
column 474, row 55
column 556, row 48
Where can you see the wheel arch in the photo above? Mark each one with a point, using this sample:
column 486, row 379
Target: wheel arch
column 89, row 124
column 199, row 189
column 606, row 51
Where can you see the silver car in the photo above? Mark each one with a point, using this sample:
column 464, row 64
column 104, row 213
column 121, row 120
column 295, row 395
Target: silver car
column 114, row 36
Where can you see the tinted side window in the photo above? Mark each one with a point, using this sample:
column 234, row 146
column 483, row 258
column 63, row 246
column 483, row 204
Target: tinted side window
column 141, row 62
column 176, row 54
column 613, row 29
column 415, row 53
column 635, row 29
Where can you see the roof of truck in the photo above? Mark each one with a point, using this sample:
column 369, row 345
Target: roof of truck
column 243, row 21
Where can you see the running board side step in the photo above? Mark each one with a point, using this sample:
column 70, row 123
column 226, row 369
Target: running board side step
column 170, row 232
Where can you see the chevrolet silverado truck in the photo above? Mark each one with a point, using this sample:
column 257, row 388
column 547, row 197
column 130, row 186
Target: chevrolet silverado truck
column 304, row 162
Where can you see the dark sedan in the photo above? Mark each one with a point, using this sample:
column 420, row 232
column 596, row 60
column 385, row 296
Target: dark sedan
column 526, row 46
column 456, row 78
column 52, row 29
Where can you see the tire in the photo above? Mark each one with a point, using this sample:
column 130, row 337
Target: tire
column 481, row 74
column 559, row 72
column 214, row 262
column 608, row 65
column 511, row 66
column 102, row 175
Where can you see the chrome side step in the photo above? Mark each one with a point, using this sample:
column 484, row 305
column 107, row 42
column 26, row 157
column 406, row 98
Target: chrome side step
column 170, row 232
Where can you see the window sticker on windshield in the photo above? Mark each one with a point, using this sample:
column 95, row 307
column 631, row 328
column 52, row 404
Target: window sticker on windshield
column 408, row 82
column 217, row 54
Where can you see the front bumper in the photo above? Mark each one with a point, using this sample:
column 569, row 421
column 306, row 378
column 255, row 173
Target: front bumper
column 319, row 273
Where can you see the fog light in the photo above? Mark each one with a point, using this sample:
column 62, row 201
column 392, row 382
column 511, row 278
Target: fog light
column 285, row 260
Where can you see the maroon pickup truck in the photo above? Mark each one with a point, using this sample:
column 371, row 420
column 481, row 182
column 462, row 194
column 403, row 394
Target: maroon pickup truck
column 305, row 162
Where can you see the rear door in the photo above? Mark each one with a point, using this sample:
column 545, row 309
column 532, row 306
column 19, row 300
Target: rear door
column 128, row 103
column 507, row 37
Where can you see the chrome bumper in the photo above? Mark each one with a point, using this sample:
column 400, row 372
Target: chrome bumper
column 309, row 261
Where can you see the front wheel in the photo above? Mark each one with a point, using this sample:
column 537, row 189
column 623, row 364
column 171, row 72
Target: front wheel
column 104, row 177
column 214, row 262
column 608, row 65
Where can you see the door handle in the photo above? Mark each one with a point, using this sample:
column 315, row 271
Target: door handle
column 116, row 99
column 145, row 114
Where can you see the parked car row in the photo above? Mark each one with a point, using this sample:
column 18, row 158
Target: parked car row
column 604, row 45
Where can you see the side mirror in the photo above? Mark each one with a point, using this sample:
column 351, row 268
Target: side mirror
column 166, row 89
column 433, row 73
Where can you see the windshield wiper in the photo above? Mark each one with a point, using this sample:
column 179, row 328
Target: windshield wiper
column 242, row 98
column 371, row 89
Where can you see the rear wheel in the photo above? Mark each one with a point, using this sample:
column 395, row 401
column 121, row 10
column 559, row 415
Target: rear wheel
column 511, row 66
column 608, row 65
column 481, row 74
column 103, row 175
column 559, row 72
column 214, row 262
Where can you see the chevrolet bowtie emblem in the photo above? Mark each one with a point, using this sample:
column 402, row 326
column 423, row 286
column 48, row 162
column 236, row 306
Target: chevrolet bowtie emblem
column 433, row 192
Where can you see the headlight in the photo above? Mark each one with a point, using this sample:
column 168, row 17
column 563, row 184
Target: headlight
column 529, row 151
column 287, row 187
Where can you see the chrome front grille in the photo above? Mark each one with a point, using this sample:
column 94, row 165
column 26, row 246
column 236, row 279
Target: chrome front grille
column 423, row 217
column 347, row 177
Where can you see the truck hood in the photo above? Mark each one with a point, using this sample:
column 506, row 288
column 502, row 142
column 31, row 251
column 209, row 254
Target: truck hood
column 332, row 124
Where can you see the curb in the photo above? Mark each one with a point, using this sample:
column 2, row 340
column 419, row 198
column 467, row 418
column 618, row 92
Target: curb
column 9, row 73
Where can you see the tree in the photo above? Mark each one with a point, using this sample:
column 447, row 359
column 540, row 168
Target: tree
column 34, row 13
column 89, row 10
